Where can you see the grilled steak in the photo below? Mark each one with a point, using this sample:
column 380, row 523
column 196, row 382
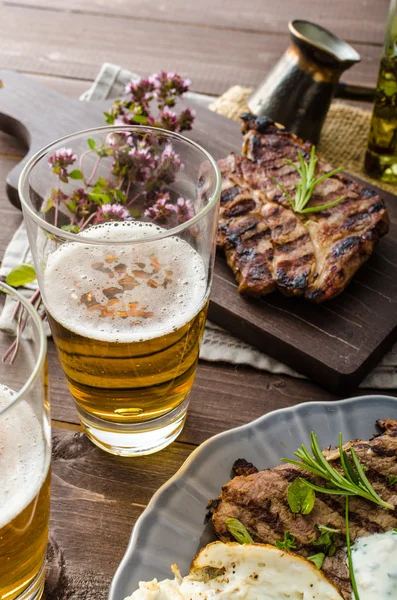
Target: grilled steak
column 259, row 500
column 267, row 245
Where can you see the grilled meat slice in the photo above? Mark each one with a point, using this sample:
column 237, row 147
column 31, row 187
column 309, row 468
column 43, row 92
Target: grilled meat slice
column 323, row 250
column 259, row 501
column 266, row 245
column 243, row 234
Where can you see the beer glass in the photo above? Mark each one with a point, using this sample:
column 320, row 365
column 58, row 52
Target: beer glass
column 125, row 281
column 25, row 447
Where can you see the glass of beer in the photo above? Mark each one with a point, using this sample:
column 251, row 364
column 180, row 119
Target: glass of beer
column 122, row 224
column 25, row 449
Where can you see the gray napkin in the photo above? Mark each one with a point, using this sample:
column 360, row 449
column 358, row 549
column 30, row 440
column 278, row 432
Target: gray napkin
column 218, row 344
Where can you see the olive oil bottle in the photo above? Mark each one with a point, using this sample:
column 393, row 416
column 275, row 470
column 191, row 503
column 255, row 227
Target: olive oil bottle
column 381, row 154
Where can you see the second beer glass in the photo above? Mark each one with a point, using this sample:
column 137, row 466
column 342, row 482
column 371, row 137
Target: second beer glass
column 127, row 294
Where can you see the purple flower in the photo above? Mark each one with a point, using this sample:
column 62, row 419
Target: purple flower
column 143, row 162
column 60, row 161
column 161, row 210
column 184, row 210
column 170, row 83
column 112, row 212
column 141, row 90
column 186, row 119
column 118, row 139
column 169, row 164
column 168, row 119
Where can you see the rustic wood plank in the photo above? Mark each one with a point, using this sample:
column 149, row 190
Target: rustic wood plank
column 96, row 499
column 10, row 217
column 73, row 88
column 353, row 20
column 11, row 147
column 214, row 62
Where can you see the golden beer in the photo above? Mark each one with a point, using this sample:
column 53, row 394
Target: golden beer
column 127, row 321
column 130, row 382
column 24, row 498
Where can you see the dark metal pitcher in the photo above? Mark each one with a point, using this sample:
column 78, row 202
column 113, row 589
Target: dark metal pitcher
column 298, row 90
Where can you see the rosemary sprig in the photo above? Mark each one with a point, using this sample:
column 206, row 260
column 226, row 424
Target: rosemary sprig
column 354, row 482
column 306, row 185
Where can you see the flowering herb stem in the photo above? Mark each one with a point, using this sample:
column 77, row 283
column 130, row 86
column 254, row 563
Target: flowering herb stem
column 307, row 184
column 139, row 165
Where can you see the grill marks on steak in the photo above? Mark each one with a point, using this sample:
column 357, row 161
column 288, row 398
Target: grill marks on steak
column 259, row 501
column 315, row 254
column 266, row 245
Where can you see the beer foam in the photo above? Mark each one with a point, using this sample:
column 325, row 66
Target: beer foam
column 24, row 459
column 125, row 293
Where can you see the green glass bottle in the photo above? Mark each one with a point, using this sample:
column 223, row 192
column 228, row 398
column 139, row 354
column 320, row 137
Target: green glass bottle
column 381, row 154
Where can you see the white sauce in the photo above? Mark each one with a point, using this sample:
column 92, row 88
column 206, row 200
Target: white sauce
column 375, row 566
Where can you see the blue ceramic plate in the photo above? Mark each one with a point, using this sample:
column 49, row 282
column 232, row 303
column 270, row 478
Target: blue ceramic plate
column 173, row 526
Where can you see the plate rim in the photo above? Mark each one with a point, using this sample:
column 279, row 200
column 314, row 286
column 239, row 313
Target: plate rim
column 192, row 457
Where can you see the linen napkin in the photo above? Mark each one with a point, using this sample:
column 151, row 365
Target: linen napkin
column 218, row 345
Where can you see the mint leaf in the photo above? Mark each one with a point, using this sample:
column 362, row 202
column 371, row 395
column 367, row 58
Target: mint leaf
column 76, row 174
column 238, row 531
column 21, row 275
column 391, row 480
column 317, row 559
column 301, row 497
column 287, row 543
column 91, row 142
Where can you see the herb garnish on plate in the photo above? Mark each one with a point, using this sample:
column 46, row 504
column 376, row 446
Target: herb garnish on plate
column 353, row 482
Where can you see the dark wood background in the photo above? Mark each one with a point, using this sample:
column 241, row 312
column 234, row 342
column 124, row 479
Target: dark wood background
column 95, row 497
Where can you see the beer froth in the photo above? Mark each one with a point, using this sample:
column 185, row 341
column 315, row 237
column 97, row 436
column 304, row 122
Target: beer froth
column 125, row 293
column 23, row 461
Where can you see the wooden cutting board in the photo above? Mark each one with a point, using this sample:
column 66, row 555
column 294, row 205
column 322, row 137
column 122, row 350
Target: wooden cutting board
column 335, row 344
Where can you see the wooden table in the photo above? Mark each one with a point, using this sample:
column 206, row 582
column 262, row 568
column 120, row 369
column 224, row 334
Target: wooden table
column 96, row 498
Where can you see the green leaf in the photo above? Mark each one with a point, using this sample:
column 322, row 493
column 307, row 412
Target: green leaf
column 99, row 198
column 301, row 497
column 21, row 275
column 140, row 119
column 109, row 119
column 71, row 206
column 134, row 213
column 317, row 559
column 91, row 142
column 48, row 205
column 71, row 228
column 326, row 539
column 391, row 480
column 287, row 543
column 238, row 531
column 76, row 174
